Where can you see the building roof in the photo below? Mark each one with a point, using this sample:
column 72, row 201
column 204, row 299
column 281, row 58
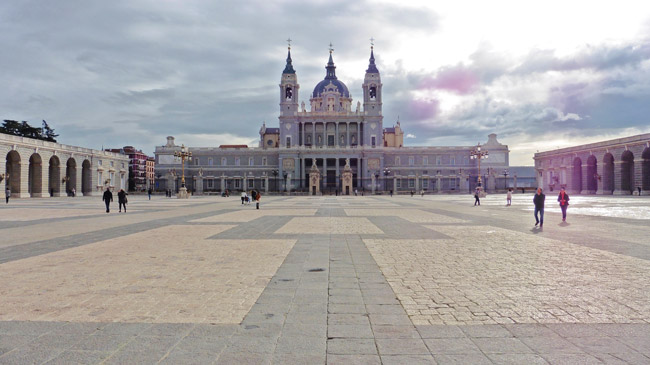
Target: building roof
column 288, row 69
column 372, row 68
column 272, row 130
column 233, row 146
column 331, row 83
column 389, row 130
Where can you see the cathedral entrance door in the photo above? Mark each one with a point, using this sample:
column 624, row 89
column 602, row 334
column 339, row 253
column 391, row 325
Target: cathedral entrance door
column 330, row 141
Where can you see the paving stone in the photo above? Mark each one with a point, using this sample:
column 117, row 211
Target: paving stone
column 351, row 346
column 407, row 359
column 516, row 359
column 497, row 345
column 460, row 359
column 349, row 331
column 401, row 346
column 427, row 331
column 301, row 345
column 190, row 358
column 571, row 359
column 79, row 357
column 451, row 346
column 353, row 360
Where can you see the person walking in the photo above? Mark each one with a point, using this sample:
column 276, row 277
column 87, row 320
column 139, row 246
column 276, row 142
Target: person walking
column 509, row 198
column 7, row 194
column 639, row 189
column 149, row 193
column 243, row 197
column 476, row 197
column 563, row 198
column 257, row 200
column 538, row 200
column 122, row 200
column 108, row 198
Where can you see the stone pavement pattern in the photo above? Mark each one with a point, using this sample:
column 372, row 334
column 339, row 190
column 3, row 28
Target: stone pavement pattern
column 309, row 280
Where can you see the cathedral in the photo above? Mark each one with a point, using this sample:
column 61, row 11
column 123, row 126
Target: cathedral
column 311, row 151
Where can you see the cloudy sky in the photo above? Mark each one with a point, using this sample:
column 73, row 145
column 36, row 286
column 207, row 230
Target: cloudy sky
column 541, row 75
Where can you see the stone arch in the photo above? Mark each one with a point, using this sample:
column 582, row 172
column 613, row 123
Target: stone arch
column 86, row 178
column 55, row 176
column 577, row 176
column 645, row 169
column 13, row 173
column 70, row 176
column 627, row 172
column 608, row 173
column 35, row 176
column 592, row 177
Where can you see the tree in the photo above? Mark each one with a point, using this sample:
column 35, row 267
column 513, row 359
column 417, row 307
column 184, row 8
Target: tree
column 48, row 133
column 23, row 129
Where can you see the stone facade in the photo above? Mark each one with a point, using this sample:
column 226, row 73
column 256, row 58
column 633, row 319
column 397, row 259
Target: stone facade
column 619, row 166
column 38, row 168
column 331, row 132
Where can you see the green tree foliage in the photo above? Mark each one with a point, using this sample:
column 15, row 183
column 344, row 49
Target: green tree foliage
column 23, row 129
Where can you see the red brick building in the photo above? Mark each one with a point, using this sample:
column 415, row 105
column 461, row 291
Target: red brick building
column 140, row 175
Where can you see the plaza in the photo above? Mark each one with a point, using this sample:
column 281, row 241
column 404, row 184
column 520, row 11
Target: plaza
column 325, row 280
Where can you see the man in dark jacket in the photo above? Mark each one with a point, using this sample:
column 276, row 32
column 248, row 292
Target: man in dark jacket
column 563, row 198
column 121, row 199
column 538, row 200
column 107, row 198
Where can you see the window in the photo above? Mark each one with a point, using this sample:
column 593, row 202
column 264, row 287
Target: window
column 112, row 164
column 373, row 92
column 397, row 161
column 251, row 183
column 210, row 183
column 452, row 160
column 99, row 162
column 425, row 183
column 263, row 183
column 237, row 183
column 373, row 141
column 425, row 160
column 411, row 161
column 411, row 183
column 236, row 161
column 224, row 161
column 399, row 183
column 251, row 161
column 288, row 142
column 122, row 164
column 264, row 161
column 210, row 161
column 196, row 161
column 438, row 160
column 100, row 178
column 112, row 179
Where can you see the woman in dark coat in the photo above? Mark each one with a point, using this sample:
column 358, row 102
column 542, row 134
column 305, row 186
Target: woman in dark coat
column 121, row 199
column 563, row 198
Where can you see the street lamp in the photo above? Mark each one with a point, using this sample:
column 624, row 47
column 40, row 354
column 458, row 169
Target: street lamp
column 505, row 179
column 386, row 173
column 182, row 155
column 275, row 178
column 477, row 154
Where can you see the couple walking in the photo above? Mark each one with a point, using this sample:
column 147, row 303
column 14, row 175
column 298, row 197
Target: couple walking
column 538, row 200
column 121, row 199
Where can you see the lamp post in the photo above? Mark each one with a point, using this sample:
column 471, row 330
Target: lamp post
column 477, row 154
column 275, row 178
column 386, row 173
column 182, row 155
column 505, row 179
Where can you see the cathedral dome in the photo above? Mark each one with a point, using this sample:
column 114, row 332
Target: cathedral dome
column 331, row 83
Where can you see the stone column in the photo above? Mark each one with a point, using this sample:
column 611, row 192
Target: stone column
column 324, row 179
column 266, row 184
column 198, row 186
column 618, row 189
column 24, row 179
column 338, row 186
column 313, row 134
column 585, row 179
column 417, row 183
column 347, row 134
column 3, row 171
column 336, row 138
column 514, row 183
column 359, row 177
column 372, row 179
column 302, row 142
column 599, row 170
column 438, row 183
column 638, row 174
column 302, row 173
column 223, row 184
column 395, row 184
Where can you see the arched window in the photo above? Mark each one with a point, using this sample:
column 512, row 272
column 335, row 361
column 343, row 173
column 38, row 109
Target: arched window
column 373, row 92
column 288, row 93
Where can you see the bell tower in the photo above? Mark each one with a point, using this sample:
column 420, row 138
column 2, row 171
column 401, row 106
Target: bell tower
column 289, row 88
column 372, row 87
